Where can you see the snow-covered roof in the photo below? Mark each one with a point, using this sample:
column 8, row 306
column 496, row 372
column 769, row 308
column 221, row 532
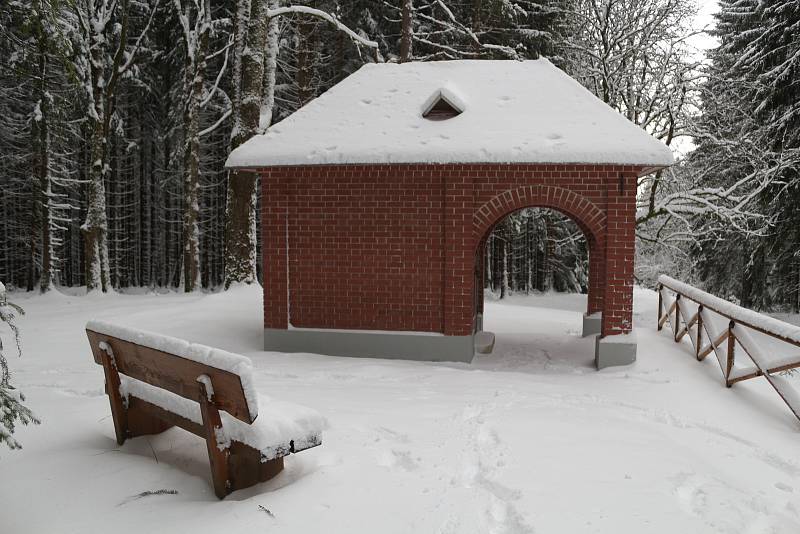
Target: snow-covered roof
column 512, row 112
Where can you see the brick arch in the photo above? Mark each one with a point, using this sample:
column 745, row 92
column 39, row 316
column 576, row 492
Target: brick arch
column 590, row 218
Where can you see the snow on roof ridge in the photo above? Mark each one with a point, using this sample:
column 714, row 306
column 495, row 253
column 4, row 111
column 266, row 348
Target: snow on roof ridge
column 519, row 112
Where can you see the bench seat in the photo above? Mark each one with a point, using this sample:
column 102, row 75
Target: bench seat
column 281, row 427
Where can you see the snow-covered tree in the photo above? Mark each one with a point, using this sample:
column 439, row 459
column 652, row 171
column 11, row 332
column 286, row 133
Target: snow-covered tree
column 106, row 53
column 253, row 110
column 197, row 23
column 116, row 117
column 254, row 88
column 636, row 57
column 749, row 141
column 34, row 93
column 12, row 409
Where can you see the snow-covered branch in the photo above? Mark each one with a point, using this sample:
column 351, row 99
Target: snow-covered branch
column 305, row 10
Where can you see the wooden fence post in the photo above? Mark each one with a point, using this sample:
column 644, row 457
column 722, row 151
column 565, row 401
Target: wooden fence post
column 660, row 307
column 731, row 355
column 699, row 332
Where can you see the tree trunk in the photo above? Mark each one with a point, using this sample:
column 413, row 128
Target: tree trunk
column 240, row 221
column 270, row 71
column 96, row 226
column 407, row 31
column 41, row 209
column 304, row 76
column 240, row 25
column 477, row 23
column 95, row 229
column 195, row 78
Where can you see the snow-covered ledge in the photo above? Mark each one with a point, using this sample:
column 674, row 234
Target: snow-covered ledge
column 592, row 323
column 615, row 350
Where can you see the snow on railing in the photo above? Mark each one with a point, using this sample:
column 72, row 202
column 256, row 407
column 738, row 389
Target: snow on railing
column 703, row 316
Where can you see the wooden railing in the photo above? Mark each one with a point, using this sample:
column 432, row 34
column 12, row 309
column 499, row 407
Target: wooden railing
column 698, row 314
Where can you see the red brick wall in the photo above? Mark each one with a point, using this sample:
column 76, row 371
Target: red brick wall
column 365, row 247
column 392, row 247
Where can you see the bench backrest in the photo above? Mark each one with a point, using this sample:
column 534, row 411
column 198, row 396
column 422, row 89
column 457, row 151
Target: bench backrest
column 149, row 358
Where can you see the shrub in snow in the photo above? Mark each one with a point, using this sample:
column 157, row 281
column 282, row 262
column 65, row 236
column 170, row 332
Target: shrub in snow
column 12, row 410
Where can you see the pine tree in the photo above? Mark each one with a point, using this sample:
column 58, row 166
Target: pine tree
column 12, row 411
column 748, row 134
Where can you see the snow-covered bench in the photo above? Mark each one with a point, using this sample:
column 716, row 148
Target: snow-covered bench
column 155, row 382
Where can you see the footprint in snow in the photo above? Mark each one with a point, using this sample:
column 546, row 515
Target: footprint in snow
column 398, row 458
column 91, row 393
column 503, row 517
column 690, row 492
column 388, row 433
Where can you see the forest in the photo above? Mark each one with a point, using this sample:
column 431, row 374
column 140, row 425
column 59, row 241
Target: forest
column 116, row 117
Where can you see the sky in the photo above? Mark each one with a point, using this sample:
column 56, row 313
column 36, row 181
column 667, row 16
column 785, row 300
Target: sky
column 701, row 42
column 705, row 19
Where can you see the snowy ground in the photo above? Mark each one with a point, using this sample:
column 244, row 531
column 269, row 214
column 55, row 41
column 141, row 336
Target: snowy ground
column 528, row 439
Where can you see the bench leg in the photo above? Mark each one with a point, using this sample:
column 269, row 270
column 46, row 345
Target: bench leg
column 218, row 457
column 118, row 411
column 247, row 469
column 270, row 469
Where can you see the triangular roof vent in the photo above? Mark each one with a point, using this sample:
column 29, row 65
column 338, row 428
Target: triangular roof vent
column 442, row 107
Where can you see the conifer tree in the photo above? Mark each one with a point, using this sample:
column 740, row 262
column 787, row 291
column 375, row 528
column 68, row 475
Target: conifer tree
column 12, row 409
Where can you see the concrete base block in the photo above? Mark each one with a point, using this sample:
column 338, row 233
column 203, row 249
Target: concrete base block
column 484, row 342
column 615, row 350
column 592, row 323
column 421, row 346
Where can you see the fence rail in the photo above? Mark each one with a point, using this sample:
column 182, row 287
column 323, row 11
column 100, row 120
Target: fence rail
column 688, row 310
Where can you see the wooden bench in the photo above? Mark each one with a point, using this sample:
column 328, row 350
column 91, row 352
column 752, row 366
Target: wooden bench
column 155, row 382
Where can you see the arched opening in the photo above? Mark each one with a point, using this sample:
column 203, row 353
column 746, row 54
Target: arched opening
column 535, row 250
column 539, row 240
column 532, row 270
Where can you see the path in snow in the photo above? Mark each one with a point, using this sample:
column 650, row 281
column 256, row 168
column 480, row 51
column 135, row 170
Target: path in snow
column 528, row 439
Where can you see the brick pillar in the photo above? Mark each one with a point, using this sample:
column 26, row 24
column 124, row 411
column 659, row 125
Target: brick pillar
column 274, row 225
column 459, row 254
column 480, row 278
column 620, row 242
column 480, row 270
column 597, row 276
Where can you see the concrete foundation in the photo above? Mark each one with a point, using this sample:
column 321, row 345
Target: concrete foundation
column 420, row 346
column 592, row 323
column 615, row 350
